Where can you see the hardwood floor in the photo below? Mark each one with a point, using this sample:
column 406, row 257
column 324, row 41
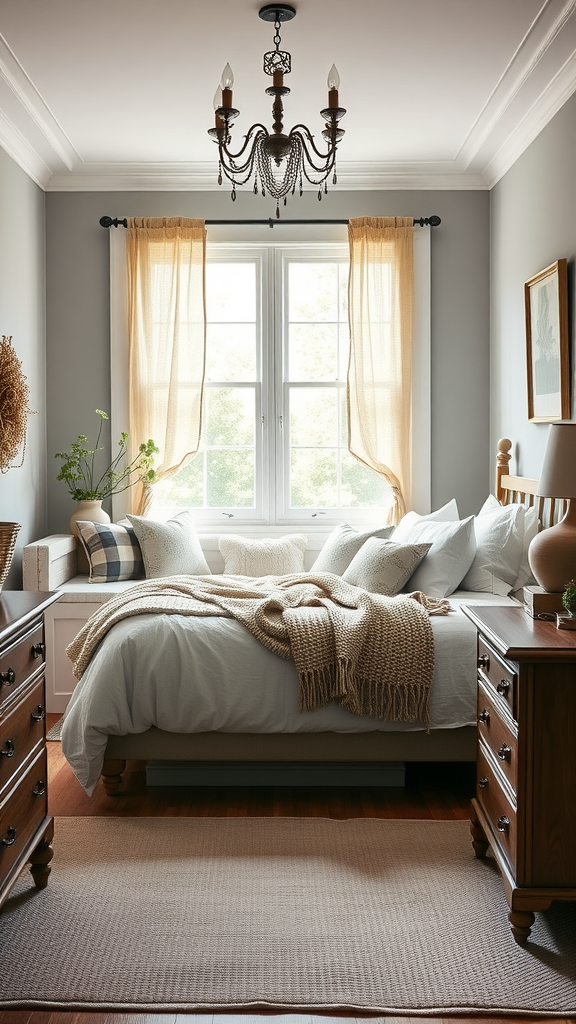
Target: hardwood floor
column 432, row 791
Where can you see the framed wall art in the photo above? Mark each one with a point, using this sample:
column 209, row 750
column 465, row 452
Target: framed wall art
column 547, row 352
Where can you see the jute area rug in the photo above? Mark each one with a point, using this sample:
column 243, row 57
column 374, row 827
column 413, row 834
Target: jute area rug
column 175, row 914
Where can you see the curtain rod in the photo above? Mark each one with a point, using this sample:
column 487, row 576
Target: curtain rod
column 115, row 222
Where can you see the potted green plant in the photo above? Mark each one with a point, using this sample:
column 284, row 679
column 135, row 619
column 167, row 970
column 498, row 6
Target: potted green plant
column 90, row 483
column 569, row 597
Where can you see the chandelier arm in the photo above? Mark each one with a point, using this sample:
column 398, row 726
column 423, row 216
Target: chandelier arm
column 247, row 138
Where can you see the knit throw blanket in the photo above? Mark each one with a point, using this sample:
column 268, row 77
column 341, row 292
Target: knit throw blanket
column 372, row 654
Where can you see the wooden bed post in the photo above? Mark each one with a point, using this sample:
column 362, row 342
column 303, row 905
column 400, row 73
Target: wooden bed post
column 112, row 776
column 502, row 465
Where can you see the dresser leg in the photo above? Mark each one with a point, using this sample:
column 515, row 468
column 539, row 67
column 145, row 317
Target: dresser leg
column 112, row 776
column 521, row 922
column 479, row 843
column 40, row 860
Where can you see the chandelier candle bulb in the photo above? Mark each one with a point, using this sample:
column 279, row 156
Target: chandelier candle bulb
column 333, row 86
column 226, row 83
column 278, row 79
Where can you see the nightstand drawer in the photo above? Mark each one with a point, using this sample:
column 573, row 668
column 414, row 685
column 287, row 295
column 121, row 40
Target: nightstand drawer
column 497, row 734
column 21, row 730
column 497, row 808
column 21, row 813
column 20, row 661
column 498, row 674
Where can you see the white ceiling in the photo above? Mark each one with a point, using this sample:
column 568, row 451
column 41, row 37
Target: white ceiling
column 117, row 94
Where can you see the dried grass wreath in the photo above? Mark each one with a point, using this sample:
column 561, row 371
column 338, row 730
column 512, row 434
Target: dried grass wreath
column 14, row 395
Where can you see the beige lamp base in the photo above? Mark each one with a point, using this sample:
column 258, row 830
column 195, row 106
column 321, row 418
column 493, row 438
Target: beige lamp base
column 552, row 554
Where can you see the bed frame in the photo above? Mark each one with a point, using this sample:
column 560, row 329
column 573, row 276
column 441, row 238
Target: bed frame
column 328, row 747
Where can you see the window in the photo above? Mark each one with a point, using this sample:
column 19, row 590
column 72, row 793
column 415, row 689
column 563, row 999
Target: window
column 274, row 426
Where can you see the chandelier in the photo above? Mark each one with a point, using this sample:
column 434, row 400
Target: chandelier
column 278, row 163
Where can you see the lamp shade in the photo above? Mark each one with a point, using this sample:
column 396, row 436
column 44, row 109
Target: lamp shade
column 558, row 477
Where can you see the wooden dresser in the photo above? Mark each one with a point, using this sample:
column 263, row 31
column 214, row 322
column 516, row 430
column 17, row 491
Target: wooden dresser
column 525, row 803
column 26, row 830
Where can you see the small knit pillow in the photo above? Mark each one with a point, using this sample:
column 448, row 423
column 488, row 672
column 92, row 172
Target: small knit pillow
column 270, row 556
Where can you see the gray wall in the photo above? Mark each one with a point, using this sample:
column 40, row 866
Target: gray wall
column 78, row 379
column 22, row 315
column 533, row 224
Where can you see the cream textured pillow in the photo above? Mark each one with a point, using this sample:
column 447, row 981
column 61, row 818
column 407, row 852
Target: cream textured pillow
column 171, row 548
column 269, row 556
column 383, row 566
column 343, row 543
column 449, row 558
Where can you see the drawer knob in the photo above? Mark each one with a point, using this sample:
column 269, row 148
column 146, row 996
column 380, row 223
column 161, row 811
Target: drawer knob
column 10, row 838
column 9, row 749
column 503, row 686
column 8, row 676
column 483, row 782
column 505, row 752
column 40, row 788
column 484, row 716
column 38, row 650
column 503, row 823
column 484, row 661
column 38, row 714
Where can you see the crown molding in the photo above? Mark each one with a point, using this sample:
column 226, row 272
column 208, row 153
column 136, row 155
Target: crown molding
column 33, row 107
column 23, row 153
column 202, row 178
column 527, row 95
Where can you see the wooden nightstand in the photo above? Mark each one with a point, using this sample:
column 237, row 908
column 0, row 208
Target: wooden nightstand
column 26, row 830
column 525, row 802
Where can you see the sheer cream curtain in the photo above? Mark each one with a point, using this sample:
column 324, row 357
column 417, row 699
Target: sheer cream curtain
column 167, row 340
column 381, row 300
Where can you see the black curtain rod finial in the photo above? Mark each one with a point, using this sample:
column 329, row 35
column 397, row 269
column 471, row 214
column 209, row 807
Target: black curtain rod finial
column 109, row 222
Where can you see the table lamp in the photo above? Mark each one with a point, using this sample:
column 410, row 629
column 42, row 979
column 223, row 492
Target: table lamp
column 552, row 553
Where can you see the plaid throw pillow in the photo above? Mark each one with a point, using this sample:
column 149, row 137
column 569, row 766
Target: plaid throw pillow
column 112, row 550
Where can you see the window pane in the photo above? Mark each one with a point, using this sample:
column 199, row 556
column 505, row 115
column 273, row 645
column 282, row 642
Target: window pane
column 230, row 477
column 313, row 352
column 229, row 416
column 313, row 478
column 313, row 291
column 230, row 352
column 313, row 416
column 230, row 292
column 361, row 486
column 184, row 489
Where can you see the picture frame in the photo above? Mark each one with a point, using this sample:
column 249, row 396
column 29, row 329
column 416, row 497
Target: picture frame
column 547, row 347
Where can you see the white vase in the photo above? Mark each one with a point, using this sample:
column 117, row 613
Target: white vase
column 91, row 511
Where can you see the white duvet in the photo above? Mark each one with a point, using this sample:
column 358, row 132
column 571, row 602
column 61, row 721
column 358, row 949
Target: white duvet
column 186, row 674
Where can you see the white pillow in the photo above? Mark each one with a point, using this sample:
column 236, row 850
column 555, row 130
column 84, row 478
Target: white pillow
column 270, row 556
column 525, row 576
column 383, row 566
column 449, row 558
column 171, row 548
column 499, row 533
column 447, row 514
column 343, row 543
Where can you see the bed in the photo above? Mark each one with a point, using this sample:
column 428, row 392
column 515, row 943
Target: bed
column 242, row 707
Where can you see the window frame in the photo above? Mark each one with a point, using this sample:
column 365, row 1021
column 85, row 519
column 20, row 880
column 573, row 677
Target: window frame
column 273, row 514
